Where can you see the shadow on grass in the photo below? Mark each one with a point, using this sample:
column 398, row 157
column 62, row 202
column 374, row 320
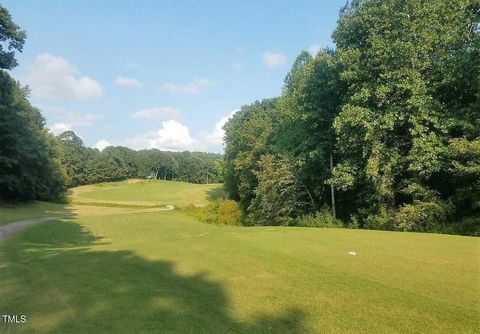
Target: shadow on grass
column 62, row 284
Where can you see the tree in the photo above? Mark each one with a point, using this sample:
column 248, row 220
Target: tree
column 29, row 157
column 399, row 60
column 278, row 194
column 13, row 37
column 310, row 102
column 248, row 136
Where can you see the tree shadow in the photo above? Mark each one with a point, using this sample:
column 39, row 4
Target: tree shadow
column 66, row 286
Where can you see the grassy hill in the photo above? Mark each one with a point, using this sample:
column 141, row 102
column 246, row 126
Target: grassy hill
column 119, row 270
column 147, row 192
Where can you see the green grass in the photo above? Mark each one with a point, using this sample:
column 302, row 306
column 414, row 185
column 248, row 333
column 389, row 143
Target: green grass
column 10, row 213
column 165, row 272
column 154, row 192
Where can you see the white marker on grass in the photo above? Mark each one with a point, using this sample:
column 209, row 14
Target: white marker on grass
column 352, row 253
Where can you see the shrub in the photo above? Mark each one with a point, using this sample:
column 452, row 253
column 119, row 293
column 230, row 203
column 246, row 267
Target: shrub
column 468, row 226
column 229, row 213
column 421, row 216
column 220, row 212
column 322, row 218
column 379, row 221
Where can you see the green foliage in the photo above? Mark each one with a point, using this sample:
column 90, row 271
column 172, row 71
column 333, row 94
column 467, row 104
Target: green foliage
column 13, row 37
column 384, row 128
column 219, row 212
column 87, row 165
column 247, row 138
column 322, row 218
column 380, row 220
column 30, row 167
column 278, row 194
column 421, row 216
column 467, row 226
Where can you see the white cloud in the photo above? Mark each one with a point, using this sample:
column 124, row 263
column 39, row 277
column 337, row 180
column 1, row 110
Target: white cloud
column 193, row 87
column 101, row 144
column 52, row 77
column 237, row 66
column 273, row 59
column 172, row 136
column 68, row 117
column 58, row 128
column 216, row 136
column 158, row 112
column 314, row 49
column 66, row 120
column 127, row 82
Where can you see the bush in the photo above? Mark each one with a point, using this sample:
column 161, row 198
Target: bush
column 379, row 221
column 322, row 218
column 229, row 213
column 421, row 216
column 220, row 212
column 468, row 226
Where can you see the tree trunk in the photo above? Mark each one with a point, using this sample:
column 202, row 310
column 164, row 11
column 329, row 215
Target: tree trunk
column 332, row 187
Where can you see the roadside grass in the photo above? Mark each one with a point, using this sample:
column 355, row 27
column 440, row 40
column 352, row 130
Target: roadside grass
column 132, row 270
column 10, row 213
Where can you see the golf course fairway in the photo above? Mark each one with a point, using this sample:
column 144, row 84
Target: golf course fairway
column 124, row 265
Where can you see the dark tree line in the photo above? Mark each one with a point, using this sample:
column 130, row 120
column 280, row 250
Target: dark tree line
column 29, row 156
column 85, row 165
column 384, row 129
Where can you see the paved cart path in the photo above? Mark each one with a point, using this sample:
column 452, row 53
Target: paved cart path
column 12, row 228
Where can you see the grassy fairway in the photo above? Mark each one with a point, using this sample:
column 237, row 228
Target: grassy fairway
column 141, row 192
column 11, row 213
column 143, row 272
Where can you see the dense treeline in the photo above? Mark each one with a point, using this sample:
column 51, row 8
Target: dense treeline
column 29, row 160
column 85, row 165
column 383, row 131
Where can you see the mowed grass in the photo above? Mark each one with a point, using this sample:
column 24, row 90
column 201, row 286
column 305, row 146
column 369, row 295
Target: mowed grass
column 164, row 272
column 148, row 192
column 10, row 213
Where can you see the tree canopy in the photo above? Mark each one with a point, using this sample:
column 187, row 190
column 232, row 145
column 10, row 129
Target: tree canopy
column 384, row 128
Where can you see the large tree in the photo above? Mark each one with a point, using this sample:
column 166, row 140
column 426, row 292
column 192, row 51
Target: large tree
column 11, row 40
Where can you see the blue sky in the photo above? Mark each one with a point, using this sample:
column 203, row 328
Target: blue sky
column 160, row 74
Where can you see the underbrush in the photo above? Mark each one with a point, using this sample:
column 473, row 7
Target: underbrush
column 322, row 218
column 219, row 212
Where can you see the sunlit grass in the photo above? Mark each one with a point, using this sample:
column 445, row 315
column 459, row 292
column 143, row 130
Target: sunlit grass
column 116, row 270
column 10, row 213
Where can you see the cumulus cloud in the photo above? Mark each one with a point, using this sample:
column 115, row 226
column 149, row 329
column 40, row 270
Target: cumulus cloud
column 216, row 136
column 273, row 59
column 127, row 82
column 314, row 49
column 101, row 144
column 58, row 128
column 158, row 112
column 193, row 87
column 172, row 136
column 52, row 77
